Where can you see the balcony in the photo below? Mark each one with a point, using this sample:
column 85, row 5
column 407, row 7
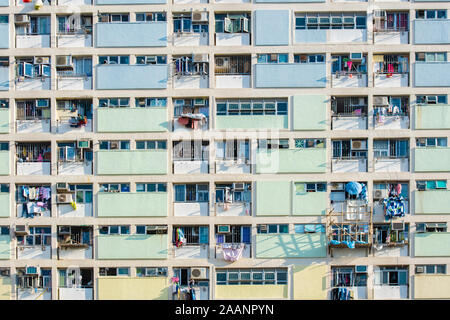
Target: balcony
column 238, row 166
column 33, row 41
column 190, row 39
column 4, row 120
column 432, row 202
column 76, row 294
column 4, row 78
column 5, row 247
column 128, row 2
column 76, row 244
column 391, row 80
column 131, row 34
column 290, row 75
column 310, row 160
column 125, row 77
column 76, row 39
column 352, row 80
column 432, row 244
column 392, row 164
column 131, row 162
column 30, row 84
column 146, row 247
column 226, row 122
column 125, row 204
column 432, row 117
column 152, row 119
column 5, row 200
column 331, row 36
column 194, row 251
column 233, row 71
column 433, row 74
column 219, row 253
column 432, row 159
column 350, row 164
column 431, row 31
column 281, row 246
column 189, row 209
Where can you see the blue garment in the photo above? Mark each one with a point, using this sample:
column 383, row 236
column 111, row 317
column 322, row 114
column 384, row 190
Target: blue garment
column 353, row 188
column 394, row 207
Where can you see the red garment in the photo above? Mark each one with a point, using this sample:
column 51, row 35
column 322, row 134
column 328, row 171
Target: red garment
column 183, row 121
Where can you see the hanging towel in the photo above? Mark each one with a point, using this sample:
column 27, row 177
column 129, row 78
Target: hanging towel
column 32, row 193
column 230, row 253
column 25, row 191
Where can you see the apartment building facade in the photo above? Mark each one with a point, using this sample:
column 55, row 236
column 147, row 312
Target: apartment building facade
column 266, row 150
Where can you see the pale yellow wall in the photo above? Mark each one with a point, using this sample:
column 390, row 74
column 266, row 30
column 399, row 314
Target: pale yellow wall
column 309, row 282
column 5, row 288
column 268, row 291
column 152, row 288
column 432, row 287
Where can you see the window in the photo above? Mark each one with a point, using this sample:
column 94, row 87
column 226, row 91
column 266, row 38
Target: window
column 232, row 23
column 183, row 22
column 348, row 106
column 115, row 145
column 152, row 145
column 74, row 235
column 345, row 20
column 273, row 144
column 431, row 56
column 151, row 187
column 273, row 58
column 39, row 25
column 309, row 228
column 303, row 187
column 309, row 143
column 431, row 14
column 431, row 142
column 74, row 25
column 4, row 230
column 4, row 188
column 82, row 67
column 37, row 67
column 431, row 99
column 383, row 234
column 237, row 234
column 113, row 102
column 195, row 150
column 390, row 148
column 150, row 16
column 431, row 227
column 114, row 59
column 114, row 230
column 345, row 64
column 392, row 21
column 194, row 235
column 4, row 103
column 349, row 149
column 142, row 229
column 233, row 65
column 391, row 276
column 43, row 280
column 252, row 107
column 68, row 152
column 432, row 269
column 188, row 66
column 115, row 187
column 151, row 102
column 4, row 19
column 309, row 58
column 348, row 277
column 151, row 272
column 38, row 236
column 4, row 146
column 431, row 185
column 115, row 272
column 392, row 189
column 83, row 192
column 114, row 17
column 251, row 276
column 390, row 64
column 151, row 60
column 233, row 192
column 191, row 192
column 33, row 152
column 272, row 228
column 33, row 109
column 233, row 150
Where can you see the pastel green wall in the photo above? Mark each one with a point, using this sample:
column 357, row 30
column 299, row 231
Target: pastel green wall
column 309, row 112
column 432, row 159
column 310, row 160
column 5, row 205
column 132, row 246
column 132, row 119
column 5, row 247
column 432, row 117
column 252, row 122
column 307, row 245
column 433, row 244
column 4, row 161
column 432, row 202
column 113, row 162
column 125, row 204
column 309, row 203
column 4, row 120
column 273, row 198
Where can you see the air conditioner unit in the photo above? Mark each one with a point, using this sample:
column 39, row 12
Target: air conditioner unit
column 223, row 229
column 420, row 269
column 199, row 102
column 358, row 145
column 113, row 145
column 141, row 102
column 83, row 144
column 421, row 186
column 64, row 62
column 356, row 56
column 42, row 103
column 380, row 194
column 104, row 18
column 64, row 198
column 41, row 60
column 379, row 14
column 161, row 229
column 238, row 186
column 222, row 62
column 337, row 186
column 199, row 16
column 380, row 101
column 32, row 270
column 198, row 273
column 151, row 60
column 431, row 99
column 263, row 227
column 400, row 226
column 21, row 230
column 62, row 186
column 63, row 230
column 22, row 18
column 5, row 273
column 200, row 57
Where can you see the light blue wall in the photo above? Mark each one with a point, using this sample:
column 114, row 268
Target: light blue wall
column 290, row 75
column 117, row 77
column 4, row 35
column 131, row 1
column 287, row 1
column 134, row 34
column 310, row 36
column 272, row 27
column 4, row 78
column 431, row 31
column 4, row 3
column 433, row 74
